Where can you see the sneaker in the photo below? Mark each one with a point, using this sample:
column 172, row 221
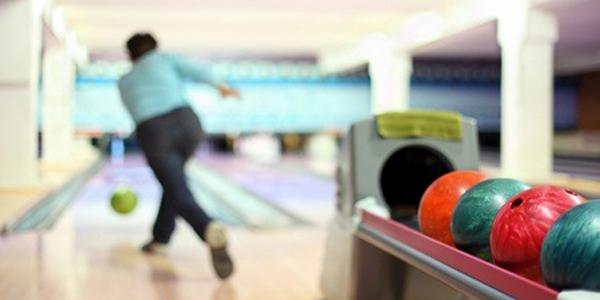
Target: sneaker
column 155, row 248
column 216, row 239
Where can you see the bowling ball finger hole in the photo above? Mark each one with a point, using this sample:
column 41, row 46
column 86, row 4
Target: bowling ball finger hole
column 576, row 194
column 516, row 203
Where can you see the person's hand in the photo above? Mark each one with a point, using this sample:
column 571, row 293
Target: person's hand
column 226, row 91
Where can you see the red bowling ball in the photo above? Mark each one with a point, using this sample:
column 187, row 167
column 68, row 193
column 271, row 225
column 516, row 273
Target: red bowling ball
column 522, row 223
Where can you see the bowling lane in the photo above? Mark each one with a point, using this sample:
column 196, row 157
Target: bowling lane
column 290, row 186
column 134, row 172
column 92, row 253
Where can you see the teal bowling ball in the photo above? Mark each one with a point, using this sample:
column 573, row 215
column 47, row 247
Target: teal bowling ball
column 570, row 256
column 123, row 200
column 474, row 214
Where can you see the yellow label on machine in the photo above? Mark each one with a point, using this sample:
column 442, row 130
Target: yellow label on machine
column 434, row 124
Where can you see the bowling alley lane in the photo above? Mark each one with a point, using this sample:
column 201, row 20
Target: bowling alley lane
column 291, row 185
column 90, row 252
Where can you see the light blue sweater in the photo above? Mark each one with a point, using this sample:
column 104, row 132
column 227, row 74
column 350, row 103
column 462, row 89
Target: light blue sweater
column 155, row 84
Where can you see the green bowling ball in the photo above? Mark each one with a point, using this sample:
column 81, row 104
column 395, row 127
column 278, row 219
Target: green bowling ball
column 123, row 200
column 570, row 257
column 475, row 212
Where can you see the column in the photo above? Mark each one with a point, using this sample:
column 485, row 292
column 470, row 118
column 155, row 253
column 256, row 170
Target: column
column 527, row 38
column 20, row 37
column 390, row 80
column 58, row 84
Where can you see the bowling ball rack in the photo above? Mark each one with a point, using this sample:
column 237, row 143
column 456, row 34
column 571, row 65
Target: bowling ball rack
column 384, row 249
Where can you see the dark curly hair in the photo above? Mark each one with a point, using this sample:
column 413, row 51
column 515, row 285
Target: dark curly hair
column 139, row 44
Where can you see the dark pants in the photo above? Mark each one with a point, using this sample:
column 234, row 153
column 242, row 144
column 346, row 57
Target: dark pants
column 168, row 141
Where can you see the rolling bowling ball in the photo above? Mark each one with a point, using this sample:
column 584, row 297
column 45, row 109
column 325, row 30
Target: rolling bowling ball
column 123, row 200
column 521, row 225
column 571, row 249
column 439, row 200
column 474, row 214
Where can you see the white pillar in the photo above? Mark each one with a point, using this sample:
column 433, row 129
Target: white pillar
column 20, row 37
column 390, row 80
column 58, row 84
column 527, row 39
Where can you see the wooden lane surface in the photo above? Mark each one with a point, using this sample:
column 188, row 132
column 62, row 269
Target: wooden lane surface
column 14, row 201
column 92, row 253
column 68, row 263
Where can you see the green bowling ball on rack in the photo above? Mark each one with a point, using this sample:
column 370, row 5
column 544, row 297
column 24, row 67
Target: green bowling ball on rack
column 570, row 256
column 123, row 200
column 475, row 212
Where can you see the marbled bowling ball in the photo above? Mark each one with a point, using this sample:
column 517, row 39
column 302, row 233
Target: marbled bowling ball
column 522, row 224
column 475, row 212
column 571, row 249
column 439, row 200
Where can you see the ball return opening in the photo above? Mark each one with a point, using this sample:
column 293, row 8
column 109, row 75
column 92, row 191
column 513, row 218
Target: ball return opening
column 405, row 176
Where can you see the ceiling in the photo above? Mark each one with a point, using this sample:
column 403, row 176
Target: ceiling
column 238, row 27
column 577, row 49
column 304, row 28
column 477, row 42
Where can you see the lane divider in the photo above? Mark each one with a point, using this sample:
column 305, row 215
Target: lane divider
column 254, row 211
column 48, row 210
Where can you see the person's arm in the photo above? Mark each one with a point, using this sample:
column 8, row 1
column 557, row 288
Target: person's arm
column 187, row 69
